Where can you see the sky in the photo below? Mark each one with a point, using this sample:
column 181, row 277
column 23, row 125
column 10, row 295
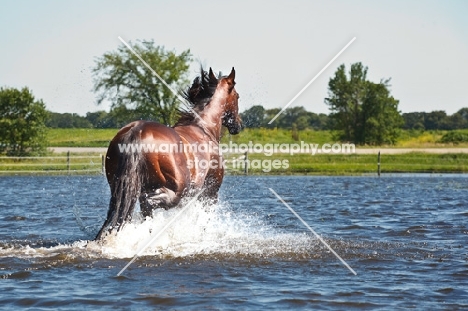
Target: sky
column 276, row 47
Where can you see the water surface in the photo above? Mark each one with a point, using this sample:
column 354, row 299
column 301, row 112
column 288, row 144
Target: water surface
column 405, row 236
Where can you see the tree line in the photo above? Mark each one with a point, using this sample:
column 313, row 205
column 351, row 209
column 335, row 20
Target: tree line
column 258, row 116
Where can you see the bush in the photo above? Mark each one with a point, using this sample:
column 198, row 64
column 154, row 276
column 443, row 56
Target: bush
column 454, row 137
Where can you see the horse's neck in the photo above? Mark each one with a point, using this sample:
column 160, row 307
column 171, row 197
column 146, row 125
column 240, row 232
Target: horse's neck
column 211, row 121
column 200, row 130
column 208, row 121
column 211, row 129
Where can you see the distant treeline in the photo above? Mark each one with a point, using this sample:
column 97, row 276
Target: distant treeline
column 257, row 116
column 98, row 119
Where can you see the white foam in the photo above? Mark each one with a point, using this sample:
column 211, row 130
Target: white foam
column 199, row 230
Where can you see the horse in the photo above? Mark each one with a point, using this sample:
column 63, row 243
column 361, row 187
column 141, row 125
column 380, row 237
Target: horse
column 139, row 168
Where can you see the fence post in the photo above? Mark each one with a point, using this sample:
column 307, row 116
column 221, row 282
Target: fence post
column 68, row 162
column 378, row 165
column 102, row 164
column 246, row 166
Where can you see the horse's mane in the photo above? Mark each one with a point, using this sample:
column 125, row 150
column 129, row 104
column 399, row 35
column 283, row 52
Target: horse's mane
column 198, row 95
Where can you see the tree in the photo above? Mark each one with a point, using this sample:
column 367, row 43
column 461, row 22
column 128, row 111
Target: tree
column 459, row 120
column 253, row 117
column 290, row 116
column 270, row 114
column 102, row 119
column 22, row 123
column 318, row 121
column 67, row 120
column 362, row 111
column 294, row 117
column 381, row 120
column 124, row 80
column 436, row 120
column 413, row 120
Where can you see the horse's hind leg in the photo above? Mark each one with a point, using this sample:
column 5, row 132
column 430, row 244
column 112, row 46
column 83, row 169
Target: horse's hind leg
column 162, row 198
column 168, row 179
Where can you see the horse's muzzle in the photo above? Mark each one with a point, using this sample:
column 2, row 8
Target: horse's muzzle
column 234, row 130
column 235, row 127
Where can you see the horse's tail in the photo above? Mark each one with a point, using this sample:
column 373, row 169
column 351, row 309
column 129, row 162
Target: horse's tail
column 126, row 183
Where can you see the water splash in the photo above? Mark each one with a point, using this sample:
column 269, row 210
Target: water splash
column 201, row 230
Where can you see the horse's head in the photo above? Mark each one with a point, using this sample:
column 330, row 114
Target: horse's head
column 219, row 95
column 226, row 89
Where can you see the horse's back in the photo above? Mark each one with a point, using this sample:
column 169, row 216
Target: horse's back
column 151, row 131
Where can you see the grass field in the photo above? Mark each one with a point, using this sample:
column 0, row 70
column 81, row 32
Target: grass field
column 354, row 164
column 80, row 137
column 101, row 137
column 320, row 164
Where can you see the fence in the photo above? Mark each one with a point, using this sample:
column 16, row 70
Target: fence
column 85, row 164
column 243, row 164
column 60, row 165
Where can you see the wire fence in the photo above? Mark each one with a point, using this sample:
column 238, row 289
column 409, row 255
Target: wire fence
column 60, row 165
column 252, row 163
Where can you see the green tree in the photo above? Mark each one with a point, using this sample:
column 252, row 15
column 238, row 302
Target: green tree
column 67, row 120
column 22, row 123
column 253, row 117
column 123, row 79
column 436, row 120
column 362, row 111
column 101, row 119
column 291, row 115
column 459, row 120
column 381, row 120
column 413, row 120
column 318, row 121
column 270, row 114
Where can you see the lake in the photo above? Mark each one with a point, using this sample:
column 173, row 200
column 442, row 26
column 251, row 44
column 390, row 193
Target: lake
column 405, row 237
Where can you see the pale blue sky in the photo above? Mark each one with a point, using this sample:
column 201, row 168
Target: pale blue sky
column 275, row 46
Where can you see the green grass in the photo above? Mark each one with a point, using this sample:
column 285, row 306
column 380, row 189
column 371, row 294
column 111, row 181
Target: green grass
column 264, row 136
column 80, row 137
column 102, row 137
column 340, row 164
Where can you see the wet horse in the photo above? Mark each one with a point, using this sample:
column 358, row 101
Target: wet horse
column 159, row 165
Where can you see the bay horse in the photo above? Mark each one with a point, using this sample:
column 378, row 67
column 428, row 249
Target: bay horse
column 161, row 178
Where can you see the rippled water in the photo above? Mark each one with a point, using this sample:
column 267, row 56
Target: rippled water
column 405, row 236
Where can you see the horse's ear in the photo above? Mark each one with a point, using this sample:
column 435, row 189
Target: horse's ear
column 213, row 79
column 232, row 75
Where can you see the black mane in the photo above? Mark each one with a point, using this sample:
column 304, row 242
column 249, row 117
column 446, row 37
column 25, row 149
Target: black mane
column 198, row 95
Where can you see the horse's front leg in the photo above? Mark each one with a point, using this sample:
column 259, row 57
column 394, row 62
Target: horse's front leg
column 211, row 186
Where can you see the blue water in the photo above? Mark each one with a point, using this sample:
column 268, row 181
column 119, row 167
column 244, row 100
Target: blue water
column 405, row 236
